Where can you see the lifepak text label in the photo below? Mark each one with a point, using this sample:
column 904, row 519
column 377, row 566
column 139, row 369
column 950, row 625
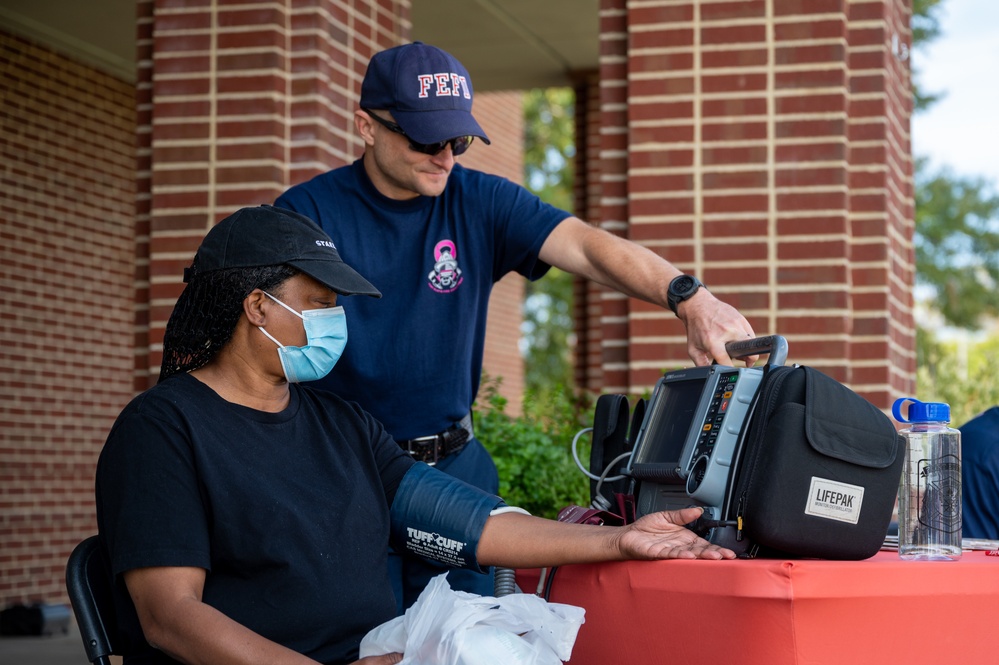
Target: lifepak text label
column 834, row 500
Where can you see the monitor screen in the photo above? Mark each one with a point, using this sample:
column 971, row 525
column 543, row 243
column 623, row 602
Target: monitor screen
column 668, row 423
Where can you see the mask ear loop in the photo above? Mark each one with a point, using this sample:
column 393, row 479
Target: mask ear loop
column 283, row 305
column 269, row 336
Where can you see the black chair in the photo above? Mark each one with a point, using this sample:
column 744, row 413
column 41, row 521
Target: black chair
column 90, row 591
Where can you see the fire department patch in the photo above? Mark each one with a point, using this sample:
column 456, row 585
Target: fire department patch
column 446, row 275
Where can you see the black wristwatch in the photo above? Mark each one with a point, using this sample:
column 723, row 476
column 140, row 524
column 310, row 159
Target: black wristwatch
column 681, row 288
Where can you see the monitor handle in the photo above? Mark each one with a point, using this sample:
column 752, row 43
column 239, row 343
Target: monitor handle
column 774, row 345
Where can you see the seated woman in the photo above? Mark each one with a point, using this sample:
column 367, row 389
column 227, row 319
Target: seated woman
column 247, row 519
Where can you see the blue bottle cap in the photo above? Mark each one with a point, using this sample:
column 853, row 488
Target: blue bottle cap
column 921, row 412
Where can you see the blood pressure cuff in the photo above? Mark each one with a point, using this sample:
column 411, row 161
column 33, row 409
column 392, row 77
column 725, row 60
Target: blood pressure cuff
column 439, row 517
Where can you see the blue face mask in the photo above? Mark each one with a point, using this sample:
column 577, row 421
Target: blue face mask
column 325, row 334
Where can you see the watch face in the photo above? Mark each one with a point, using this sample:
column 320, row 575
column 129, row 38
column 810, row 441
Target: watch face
column 683, row 285
column 681, row 288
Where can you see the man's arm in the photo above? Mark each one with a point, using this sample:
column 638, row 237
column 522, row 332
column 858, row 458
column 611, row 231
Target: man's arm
column 590, row 252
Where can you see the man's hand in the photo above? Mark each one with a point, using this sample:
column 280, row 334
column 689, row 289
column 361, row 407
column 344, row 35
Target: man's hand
column 711, row 324
column 663, row 536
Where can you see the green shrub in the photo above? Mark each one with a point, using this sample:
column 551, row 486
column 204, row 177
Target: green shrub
column 533, row 452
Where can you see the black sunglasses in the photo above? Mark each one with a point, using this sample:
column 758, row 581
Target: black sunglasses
column 459, row 144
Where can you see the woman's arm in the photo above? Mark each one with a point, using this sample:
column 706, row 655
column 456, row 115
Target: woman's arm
column 513, row 540
column 175, row 621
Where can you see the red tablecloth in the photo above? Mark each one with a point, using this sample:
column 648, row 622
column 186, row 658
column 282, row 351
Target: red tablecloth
column 783, row 612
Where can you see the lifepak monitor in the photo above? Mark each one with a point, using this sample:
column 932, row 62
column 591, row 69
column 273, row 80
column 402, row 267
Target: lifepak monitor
column 684, row 450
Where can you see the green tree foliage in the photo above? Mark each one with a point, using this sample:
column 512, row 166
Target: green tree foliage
column 549, row 148
column 957, row 245
column 550, row 144
column 925, row 28
column 957, row 255
column 957, row 221
column 533, row 452
column 547, row 331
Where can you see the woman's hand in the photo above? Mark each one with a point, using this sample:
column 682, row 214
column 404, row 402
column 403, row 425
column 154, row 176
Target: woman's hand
column 384, row 659
column 663, row 536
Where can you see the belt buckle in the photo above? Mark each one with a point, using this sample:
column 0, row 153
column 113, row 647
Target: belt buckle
column 431, row 439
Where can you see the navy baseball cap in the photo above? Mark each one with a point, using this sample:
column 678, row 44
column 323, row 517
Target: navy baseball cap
column 269, row 236
column 427, row 90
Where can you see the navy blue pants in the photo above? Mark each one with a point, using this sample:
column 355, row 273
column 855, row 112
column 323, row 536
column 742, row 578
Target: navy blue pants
column 410, row 574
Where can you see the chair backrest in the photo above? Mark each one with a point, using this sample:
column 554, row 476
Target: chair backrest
column 90, row 591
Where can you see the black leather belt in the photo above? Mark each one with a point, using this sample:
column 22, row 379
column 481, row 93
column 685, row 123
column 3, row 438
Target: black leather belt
column 432, row 448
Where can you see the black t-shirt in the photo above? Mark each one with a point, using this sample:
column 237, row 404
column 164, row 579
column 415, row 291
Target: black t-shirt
column 288, row 512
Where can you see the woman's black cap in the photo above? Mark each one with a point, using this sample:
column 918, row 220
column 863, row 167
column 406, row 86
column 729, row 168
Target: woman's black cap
column 269, row 236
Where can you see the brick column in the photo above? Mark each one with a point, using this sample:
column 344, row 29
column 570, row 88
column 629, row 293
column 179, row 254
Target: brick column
column 238, row 102
column 615, row 334
column 882, row 215
column 587, row 352
column 142, row 375
column 767, row 152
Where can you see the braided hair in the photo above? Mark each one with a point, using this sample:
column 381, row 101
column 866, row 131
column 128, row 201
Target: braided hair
column 206, row 314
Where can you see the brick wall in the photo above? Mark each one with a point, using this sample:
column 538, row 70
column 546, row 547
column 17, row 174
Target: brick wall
column 67, row 193
column 763, row 145
column 246, row 100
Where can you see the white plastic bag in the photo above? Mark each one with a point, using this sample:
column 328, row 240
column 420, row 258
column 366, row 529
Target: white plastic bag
column 447, row 627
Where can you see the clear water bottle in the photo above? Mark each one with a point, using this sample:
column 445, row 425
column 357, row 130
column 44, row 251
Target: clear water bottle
column 929, row 494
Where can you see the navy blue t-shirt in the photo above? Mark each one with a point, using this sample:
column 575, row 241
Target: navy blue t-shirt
column 980, row 475
column 414, row 357
column 288, row 512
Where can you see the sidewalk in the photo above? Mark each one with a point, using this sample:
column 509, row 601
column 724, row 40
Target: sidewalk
column 60, row 649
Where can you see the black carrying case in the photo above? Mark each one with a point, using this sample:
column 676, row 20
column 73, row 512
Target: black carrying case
column 612, row 439
column 816, row 472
